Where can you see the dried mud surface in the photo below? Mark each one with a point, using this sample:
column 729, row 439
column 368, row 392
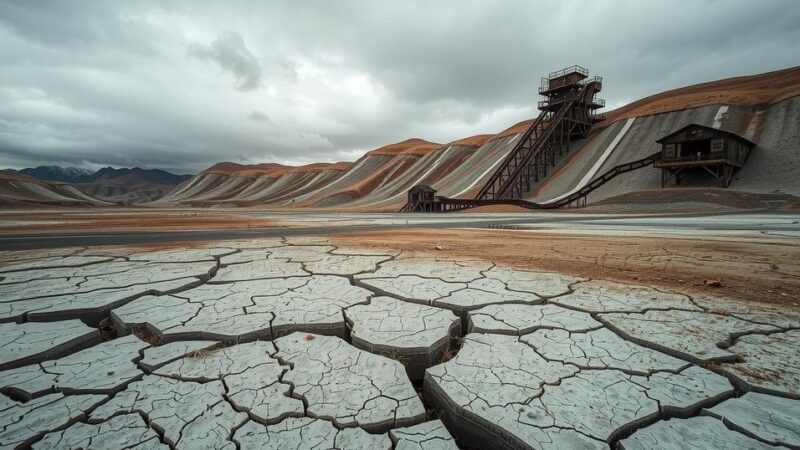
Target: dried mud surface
column 763, row 271
column 362, row 343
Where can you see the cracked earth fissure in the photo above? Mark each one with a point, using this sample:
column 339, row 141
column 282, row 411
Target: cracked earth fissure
column 625, row 312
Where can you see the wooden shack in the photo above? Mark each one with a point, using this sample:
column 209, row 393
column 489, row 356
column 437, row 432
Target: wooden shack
column 423, row 198
column 719, row 153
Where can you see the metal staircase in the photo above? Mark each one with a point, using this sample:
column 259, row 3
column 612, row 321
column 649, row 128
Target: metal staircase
column 567, row 114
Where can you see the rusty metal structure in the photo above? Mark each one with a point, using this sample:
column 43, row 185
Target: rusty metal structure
column 567, row 113
column 719, row 153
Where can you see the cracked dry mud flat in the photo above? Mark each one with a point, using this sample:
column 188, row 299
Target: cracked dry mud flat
column 297, row 343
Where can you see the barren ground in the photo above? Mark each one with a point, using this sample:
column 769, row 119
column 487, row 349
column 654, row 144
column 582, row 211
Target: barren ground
column 758, row 270
column 58, row 222
column 410, row 339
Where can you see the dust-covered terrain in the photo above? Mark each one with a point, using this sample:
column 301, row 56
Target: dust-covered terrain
column 407, row 339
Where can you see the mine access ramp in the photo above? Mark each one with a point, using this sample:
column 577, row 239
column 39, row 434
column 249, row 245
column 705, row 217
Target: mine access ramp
column 439, row 203
column 567, row 113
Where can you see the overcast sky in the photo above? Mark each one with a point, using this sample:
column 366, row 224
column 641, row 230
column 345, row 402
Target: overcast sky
column 182, row 85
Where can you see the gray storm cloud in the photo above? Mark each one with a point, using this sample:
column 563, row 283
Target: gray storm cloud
column 228, row 50
column 181, row 85
column 258, row 116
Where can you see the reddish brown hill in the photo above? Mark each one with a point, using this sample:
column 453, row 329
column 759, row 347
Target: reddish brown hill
column 514, row 129
column 413, row 146
column 270, row 169
column 762, row 89
column 472, row 141
column 20, row 190
column 232, row 168
column 12, row 175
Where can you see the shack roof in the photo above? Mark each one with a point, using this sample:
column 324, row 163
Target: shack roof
column 422, row 188
column 714, row 131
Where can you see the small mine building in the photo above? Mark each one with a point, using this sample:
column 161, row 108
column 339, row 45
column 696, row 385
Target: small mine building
column 720, row 153
column 422, row 197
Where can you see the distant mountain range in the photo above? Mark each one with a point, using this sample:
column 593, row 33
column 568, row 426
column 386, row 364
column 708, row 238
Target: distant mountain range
column 127, row 186
column 155, row 176
column 56, row 173
column 106, row 174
